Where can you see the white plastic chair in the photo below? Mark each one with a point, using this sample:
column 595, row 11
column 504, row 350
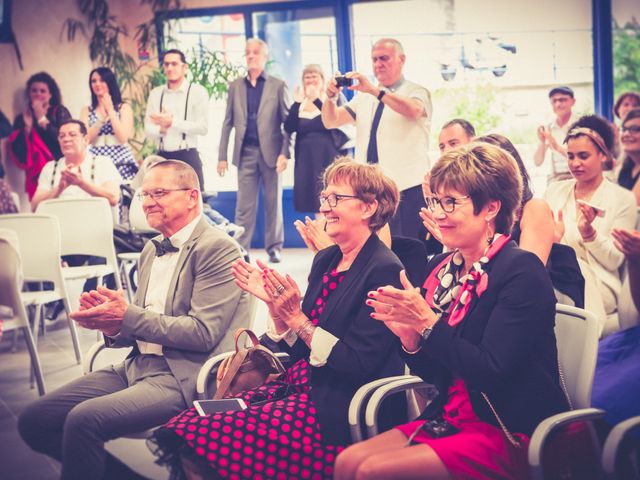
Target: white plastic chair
column 86, row 225
column 577, row 339
column 15, row 317
column 619, row 449
column 39, row 237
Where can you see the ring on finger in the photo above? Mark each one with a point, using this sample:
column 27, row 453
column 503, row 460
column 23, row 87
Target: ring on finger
column 280, row 289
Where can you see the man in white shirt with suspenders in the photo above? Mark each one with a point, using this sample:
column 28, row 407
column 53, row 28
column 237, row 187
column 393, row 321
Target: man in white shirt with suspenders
column 177, row 114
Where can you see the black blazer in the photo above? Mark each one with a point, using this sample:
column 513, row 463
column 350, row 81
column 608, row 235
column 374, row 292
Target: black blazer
column 505, row 346
column 366, row 349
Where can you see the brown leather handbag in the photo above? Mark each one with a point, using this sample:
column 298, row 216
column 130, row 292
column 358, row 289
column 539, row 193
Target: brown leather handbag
column 248, row 368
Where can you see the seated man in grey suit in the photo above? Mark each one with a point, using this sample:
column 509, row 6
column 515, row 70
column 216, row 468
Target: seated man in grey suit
column 257, row 106
column 186, row 309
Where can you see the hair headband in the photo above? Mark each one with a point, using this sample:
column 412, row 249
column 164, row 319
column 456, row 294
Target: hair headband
column 592, row 134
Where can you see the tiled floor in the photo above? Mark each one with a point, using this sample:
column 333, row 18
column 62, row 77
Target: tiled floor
column 17, row 461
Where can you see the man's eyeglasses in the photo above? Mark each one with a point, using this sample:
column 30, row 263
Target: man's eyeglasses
column 333, row 198
column 448, row 204
column 634, row 129
column 72, row 135
column 159, row 193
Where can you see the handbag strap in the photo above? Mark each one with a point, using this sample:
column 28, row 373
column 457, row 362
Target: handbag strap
column 250, row 334
column 230, row 374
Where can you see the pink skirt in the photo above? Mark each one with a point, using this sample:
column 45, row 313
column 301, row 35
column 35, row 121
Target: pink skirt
column 479, row 450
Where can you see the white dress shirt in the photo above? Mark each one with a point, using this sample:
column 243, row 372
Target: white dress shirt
column 322, row 342
column 403, row 143
column 162, row 270
column 174, row 101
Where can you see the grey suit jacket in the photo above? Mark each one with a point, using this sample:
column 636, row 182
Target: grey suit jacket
column 272, row 112
column 204, row 307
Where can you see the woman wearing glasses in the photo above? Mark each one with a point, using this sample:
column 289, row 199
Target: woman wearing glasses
column 483, row 335
column 629, row 176
column 587, row 208
column 334, row 344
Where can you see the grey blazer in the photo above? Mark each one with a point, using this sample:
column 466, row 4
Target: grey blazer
column 203, row 309
column 272, row 112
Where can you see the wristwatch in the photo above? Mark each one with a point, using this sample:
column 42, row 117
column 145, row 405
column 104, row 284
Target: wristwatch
column 426, row 332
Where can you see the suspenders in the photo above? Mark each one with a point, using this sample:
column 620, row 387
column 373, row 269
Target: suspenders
column 186, row 108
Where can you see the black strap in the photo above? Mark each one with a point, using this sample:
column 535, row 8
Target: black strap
column 372, row 148
column 186, row 109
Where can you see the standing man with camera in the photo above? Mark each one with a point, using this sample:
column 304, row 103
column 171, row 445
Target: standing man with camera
column 257, row 106
column 392, row 121
column 551, row 136
column 177, row 113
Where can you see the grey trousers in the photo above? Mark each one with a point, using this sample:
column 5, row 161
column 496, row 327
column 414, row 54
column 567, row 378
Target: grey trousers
column 72, row 423
column 251, row 172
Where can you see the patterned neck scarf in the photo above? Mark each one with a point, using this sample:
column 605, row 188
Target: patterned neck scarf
column 452, row 293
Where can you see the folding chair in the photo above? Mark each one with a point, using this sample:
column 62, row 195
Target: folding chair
column 86, row 225
column 39, row 237
column 15, row 317
column 621, row 452
column 577, row 339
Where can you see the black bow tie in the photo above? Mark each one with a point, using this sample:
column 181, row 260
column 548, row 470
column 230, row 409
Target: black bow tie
column 163, row 247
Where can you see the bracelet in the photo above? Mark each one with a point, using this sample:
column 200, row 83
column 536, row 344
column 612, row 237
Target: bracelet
column 591, row 238
column 305, row 332
column 411, row 353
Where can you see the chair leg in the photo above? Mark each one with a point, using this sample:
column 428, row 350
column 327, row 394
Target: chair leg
column 36, row 368
column 74, row 333
column 38, row 318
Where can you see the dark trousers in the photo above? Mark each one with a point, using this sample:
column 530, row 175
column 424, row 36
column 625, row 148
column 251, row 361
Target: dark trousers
column 406, row 222
column 189, row 156
column 72, row 423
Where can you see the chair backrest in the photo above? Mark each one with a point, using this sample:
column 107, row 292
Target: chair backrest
column 39, row 238
column 10, row 286
column 86, row 225
column 137, row 218
column 577, row 340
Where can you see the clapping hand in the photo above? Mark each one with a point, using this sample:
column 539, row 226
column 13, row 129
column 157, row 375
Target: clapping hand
column 430, row 224
column 284, row 297
column 298, row 94
column 71, row 176
column 585, row 220
column 249, row 279
column 102, row 309
column 404, row 311
column 313, row 234
column 107, row 103
column 628, row 242
column 558, row 228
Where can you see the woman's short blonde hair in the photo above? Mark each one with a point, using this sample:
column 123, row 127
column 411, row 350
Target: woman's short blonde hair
column 313, row 68
column 484, row 172
column 368, row 184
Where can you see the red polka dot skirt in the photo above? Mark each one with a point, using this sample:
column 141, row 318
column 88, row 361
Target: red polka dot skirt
column 277, row 437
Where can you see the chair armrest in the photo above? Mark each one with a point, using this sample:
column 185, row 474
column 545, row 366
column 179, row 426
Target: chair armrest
column 91, row 355
column 613, row 442
column 548, row 426
column 359, row 401
column 408, row 382
column 212, row 365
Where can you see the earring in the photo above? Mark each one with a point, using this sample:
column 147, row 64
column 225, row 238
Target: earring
column 490, row 235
